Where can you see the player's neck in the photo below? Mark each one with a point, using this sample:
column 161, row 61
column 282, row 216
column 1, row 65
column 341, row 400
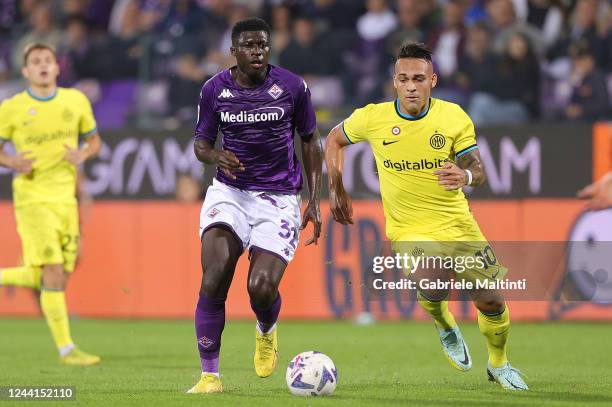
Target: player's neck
column 413, row 115
column 42, row 92
column 245, row 80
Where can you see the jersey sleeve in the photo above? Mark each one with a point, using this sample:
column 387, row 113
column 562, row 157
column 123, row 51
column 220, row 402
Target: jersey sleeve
column 87, row 123
column 466, row 139
column 305, row 119
column 207, row 125
column 6, row 124
column 355, row 127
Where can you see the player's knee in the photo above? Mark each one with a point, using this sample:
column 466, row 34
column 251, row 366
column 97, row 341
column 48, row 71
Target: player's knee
column 54, row 277
column 213, row 281
column 262, row 290
column 490, row 306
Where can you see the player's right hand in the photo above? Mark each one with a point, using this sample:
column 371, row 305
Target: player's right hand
column 228, row 163
column 341, row 206
column 22, row 163
column 599, row 193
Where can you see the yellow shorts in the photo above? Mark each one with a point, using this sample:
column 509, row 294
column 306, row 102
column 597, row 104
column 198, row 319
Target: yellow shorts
column 472, row 256
column 49, row 234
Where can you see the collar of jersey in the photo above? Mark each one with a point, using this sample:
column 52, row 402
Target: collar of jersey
column 48, row 98
column 409, row 117
column 235, row 83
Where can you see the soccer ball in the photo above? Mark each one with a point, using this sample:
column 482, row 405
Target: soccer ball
column 311, row 374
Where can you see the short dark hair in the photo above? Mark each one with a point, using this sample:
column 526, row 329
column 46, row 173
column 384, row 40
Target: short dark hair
column 36, row 47
column 249, row 24
column 416, row 50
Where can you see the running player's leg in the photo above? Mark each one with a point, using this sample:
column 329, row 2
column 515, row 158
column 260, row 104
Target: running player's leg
column 24, row 276
column 53, row 304
column 221, row 250
column 435, row 302
column 224, row 230
column 274, row 239
column 494, row 323
column 493, row 312
column 435, row 299
column 54, row 281
column 265, row 273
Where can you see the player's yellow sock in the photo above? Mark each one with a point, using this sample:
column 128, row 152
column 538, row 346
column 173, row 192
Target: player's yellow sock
column 439, row 312
column 495, row 328
column 53, row 303
column 28, row 277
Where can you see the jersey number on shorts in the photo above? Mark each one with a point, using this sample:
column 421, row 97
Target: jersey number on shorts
column 289, row 232
column 70, row 244
column 488, row 256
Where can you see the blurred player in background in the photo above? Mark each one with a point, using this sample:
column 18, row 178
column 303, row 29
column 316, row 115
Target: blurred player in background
column 254, row 201
column 416, row 140
column 44, row 124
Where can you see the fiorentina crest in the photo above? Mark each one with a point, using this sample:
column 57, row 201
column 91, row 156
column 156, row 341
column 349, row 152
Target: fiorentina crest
column 275, row 91
column 205, row 342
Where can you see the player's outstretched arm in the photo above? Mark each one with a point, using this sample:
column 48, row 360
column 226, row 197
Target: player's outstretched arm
column 454, row 176
column 339, row 201
column 599, row 193
column 22, row 162
column 90, row 149
column 225, row 160
column 312, row 157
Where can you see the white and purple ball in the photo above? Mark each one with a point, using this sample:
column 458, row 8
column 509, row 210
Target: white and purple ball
column 311, row 374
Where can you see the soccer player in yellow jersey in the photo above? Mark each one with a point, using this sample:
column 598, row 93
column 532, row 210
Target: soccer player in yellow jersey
column 426, row 151
column 44, row 124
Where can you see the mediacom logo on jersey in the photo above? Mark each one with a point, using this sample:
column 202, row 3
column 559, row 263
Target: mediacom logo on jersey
column 263, row 114
column 423, row 164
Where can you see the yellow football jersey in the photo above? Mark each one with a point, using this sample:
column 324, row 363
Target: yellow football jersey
column 44, row 126
column 407, row 151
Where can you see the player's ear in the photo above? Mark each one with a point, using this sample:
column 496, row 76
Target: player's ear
column 24, row 72
column 394, row 82
column 434, row 80
column 233, row 50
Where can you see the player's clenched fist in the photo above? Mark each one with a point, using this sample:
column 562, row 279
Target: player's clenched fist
column 451, row 177
column 227, row 162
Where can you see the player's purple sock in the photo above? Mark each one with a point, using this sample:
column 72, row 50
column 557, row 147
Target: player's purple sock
column 209, row 324
column 266, row 317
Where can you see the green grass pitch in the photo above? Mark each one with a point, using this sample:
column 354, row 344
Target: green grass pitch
column 152, row 363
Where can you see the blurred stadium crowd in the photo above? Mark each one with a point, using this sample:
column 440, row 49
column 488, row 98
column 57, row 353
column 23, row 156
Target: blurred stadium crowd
column 504, row 61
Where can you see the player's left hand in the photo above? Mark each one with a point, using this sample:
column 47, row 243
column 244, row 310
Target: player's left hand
column 312, row 213
column 74, row 156
column 451, row 177
column 599, row 193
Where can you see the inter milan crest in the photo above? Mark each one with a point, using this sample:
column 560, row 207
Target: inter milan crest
column 275, row 91
column 32, row 111
column 437, row 141
column 395, row 130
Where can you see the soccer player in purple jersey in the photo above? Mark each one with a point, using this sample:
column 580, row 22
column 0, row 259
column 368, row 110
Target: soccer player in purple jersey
column 254, row 200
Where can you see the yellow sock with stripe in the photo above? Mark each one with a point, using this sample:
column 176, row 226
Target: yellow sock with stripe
column 28, row 277
column 495, row 328
column 439, row 312
column 53, row 303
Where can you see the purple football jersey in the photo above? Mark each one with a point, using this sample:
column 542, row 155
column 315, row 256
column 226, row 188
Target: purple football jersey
column 257, row 125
